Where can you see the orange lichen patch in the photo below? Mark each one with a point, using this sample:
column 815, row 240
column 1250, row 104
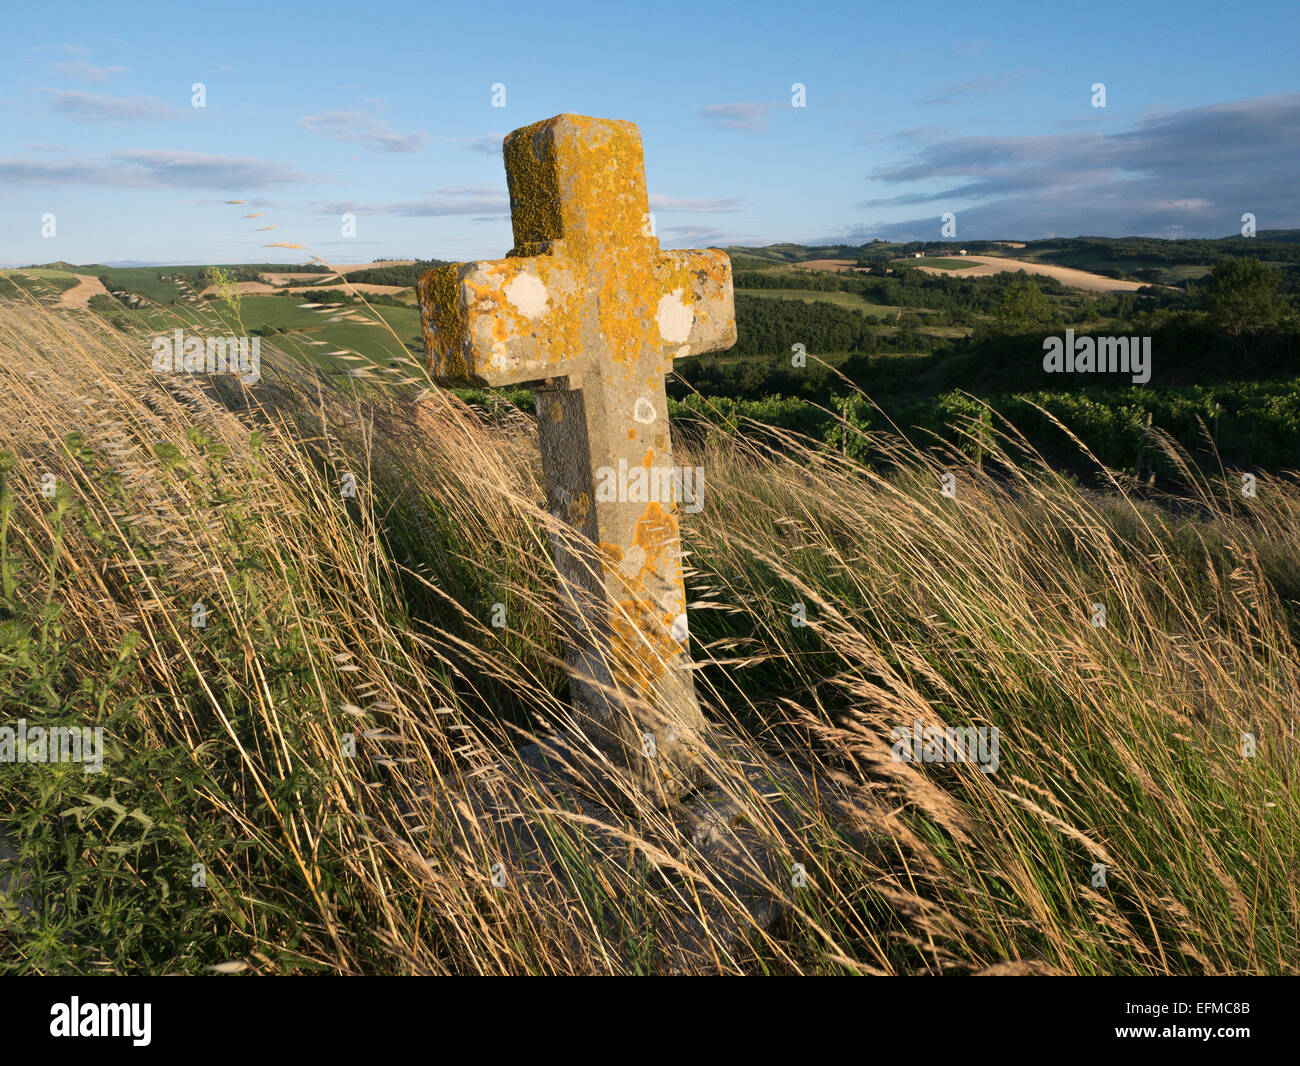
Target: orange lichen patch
column 648, row 458
column 654, row 531
column 640, row 647
column 622, row 320
column 604, row 186
column 674, row 271
column 612, row 552
column 582, row 181
column 631, row 434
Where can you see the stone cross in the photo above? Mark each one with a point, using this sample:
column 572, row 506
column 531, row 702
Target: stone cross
column 590, row 313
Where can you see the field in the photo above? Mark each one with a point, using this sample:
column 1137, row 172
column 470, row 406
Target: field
column 827, row 264
column 43, row 283
column 349, row 328
column 985, row 265
column 842, row 299
column 158, row 299
column 353, row 339
column 160, row 286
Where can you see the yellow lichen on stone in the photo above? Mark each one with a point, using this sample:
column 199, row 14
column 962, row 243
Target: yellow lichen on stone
column 534, row 183
column 579, row 213
column 442, row 318
column 586, row 293
column 642, row 641
column 579, row 508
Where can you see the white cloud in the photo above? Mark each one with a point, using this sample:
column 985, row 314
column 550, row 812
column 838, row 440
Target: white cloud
column 1196, row 170
column 487, row 143
column 372, row 132
column 745, row 115
column 152, row 169
column 92, row 107
column 88, row 72
column 169, row 169
column 975, row 87
column 473, row 200
column 669, row 204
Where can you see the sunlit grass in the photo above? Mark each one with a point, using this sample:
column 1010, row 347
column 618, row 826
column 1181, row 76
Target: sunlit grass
column 331, row 616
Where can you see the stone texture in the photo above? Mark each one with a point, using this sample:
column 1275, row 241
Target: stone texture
column 588, row 311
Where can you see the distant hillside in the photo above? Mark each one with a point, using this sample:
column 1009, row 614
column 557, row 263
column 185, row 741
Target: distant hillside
column 87, row 268
column 793, row 253
column 1143, row 259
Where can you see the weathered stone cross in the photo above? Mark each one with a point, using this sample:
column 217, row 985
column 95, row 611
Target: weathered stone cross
column 588, row 311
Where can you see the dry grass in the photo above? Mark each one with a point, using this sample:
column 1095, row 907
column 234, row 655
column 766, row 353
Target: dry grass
column 370, row 616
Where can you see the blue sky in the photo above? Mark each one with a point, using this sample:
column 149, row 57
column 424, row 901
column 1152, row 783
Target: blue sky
column 386, row 111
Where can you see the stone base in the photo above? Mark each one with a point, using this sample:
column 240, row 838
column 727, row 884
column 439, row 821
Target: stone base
column 745, row 846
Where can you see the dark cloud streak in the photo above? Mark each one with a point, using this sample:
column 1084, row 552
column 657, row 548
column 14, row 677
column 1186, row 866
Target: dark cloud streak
column 1183, row 173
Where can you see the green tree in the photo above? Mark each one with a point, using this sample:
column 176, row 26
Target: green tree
column 1242, row 296
column 1023, row 309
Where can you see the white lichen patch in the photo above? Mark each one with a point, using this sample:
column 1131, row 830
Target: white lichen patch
column 675, row 317
column 644, row 412
column 633, row 561
column 528, row 295
column 499, row 361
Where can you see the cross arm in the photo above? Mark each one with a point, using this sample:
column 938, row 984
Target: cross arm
column 500, row 322
column 697, row 308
